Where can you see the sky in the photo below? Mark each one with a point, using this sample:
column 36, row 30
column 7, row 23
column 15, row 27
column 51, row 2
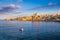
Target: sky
column 15, row 8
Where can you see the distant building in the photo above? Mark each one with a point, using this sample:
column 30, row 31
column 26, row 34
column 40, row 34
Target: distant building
column 37, row 17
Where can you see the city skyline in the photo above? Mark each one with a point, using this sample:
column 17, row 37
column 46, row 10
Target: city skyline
column 14, row 8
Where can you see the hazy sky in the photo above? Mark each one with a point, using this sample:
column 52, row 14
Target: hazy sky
column 14, row 8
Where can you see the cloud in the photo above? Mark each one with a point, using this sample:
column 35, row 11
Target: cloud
column 50, row 4
column 9, row 8
column 19, row 0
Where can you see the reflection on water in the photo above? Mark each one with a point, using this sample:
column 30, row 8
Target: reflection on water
column 9, row 30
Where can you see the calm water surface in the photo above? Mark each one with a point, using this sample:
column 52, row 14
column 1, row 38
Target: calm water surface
column 9, row 30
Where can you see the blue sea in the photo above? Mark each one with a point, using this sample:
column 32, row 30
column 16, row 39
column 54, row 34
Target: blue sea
column 9, row 30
